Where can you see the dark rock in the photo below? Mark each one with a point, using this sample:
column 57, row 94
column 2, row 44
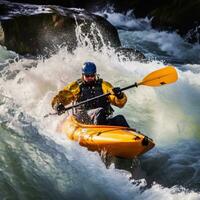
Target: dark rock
column 36, row 30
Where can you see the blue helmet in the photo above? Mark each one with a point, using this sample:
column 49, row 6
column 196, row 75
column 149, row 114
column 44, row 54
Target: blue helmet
column 89, row 68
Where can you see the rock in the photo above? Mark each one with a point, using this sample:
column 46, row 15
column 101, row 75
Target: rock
column 41, row 29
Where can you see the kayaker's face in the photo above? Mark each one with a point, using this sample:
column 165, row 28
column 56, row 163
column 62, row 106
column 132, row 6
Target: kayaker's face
column 89, row 78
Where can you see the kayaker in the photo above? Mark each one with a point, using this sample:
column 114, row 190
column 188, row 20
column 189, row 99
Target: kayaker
column 90, row 85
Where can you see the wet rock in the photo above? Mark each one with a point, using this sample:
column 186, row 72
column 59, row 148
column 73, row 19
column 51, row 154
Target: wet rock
column 42, row 29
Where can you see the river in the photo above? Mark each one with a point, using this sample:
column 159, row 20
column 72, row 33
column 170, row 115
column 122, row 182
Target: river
column 36, row 162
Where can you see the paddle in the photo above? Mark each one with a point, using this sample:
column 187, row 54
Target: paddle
column 157, row 78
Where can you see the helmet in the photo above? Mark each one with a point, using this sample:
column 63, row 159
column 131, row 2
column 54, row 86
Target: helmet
column 89, row 68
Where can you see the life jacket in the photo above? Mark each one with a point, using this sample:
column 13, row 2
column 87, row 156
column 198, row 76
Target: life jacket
column 88, row 91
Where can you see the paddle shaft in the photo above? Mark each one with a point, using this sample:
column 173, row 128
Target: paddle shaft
column 97, row 97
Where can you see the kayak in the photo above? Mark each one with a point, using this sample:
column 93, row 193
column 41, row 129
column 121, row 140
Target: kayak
column 116, row 141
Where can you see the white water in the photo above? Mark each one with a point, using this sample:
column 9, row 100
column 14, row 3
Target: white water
column 154, row 44
column 125, row 21
column 167, row 114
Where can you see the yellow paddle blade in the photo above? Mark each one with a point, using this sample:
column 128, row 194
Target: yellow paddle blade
column 160, row 77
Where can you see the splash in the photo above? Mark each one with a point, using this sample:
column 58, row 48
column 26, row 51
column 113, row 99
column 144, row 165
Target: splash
column 125, row 21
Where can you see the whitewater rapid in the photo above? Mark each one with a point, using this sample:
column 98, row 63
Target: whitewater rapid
column 42, row 160
column 137, row 33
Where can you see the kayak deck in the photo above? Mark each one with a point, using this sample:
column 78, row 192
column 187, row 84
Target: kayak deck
column 115, row 140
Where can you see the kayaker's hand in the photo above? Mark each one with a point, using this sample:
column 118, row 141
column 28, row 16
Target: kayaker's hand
column 117, row 92
column 60, row 108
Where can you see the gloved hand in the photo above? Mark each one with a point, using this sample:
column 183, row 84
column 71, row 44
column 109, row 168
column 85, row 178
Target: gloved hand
column 60, row 108
column 117, row 92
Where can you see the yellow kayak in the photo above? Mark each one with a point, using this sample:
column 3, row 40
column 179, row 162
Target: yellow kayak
column 115, row 140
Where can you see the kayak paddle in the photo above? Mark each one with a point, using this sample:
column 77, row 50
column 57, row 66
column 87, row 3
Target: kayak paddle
column 156, row 78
